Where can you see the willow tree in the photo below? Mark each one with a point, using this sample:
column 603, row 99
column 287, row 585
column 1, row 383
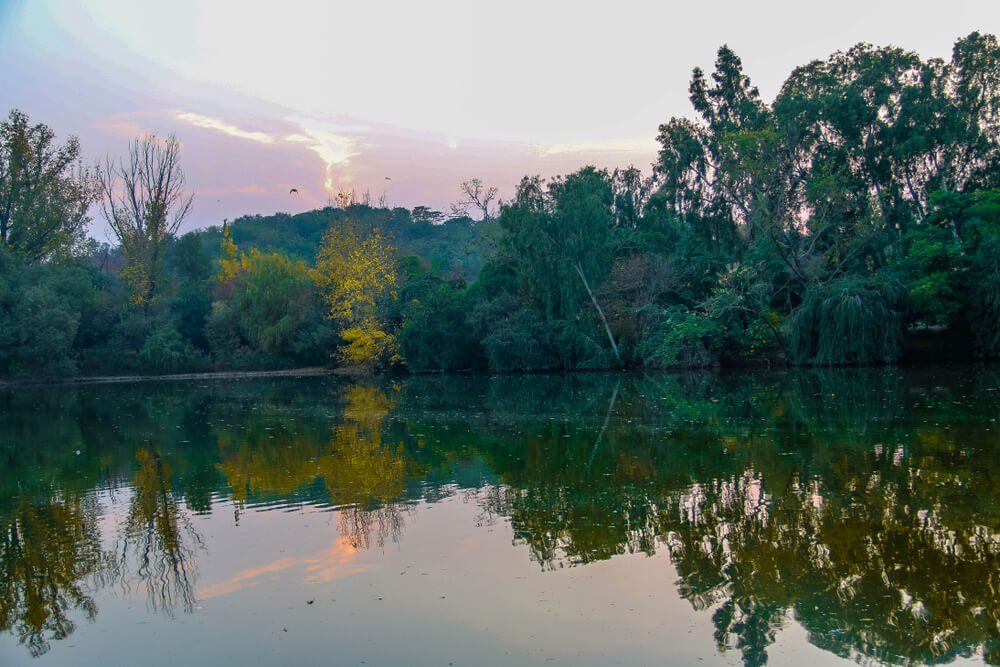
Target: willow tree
column 144, row 203
column 562, row 236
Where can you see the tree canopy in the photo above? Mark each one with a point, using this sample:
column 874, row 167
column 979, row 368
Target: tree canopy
column 44, row 191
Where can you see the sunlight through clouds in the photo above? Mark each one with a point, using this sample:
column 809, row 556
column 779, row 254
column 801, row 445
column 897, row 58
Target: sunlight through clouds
column 329, row 142
column 334, row 149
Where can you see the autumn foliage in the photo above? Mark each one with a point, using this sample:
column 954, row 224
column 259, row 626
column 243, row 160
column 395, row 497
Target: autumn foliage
column 355, row 275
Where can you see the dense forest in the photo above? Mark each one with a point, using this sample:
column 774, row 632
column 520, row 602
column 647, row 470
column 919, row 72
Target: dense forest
column 853, row 220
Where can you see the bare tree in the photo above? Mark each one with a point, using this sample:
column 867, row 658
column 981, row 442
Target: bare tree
column 346, row 198
column 478, row 196
column 144, row 202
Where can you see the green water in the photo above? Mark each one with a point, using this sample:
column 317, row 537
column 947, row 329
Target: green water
column 783, row 518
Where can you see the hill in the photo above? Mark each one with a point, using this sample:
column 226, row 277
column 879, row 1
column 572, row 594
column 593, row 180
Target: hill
column 455, row 247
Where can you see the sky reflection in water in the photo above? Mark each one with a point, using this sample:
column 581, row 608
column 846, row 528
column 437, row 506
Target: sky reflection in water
column 734, row 519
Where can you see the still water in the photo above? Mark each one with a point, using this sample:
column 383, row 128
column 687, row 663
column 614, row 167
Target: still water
column 816, row 517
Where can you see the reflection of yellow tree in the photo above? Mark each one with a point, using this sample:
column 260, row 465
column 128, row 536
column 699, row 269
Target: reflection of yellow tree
column 47, row 550
column 157, row 533
column 275, row 466
column 365, row 476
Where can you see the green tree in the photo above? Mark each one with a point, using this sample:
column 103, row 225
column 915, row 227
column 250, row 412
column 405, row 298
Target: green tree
column 44, row 192
column 41, row 309
column 561, row 236
column 272, row 297
column 953, row 265
column 435, row 334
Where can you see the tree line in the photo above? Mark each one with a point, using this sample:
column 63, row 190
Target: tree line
column 855, row 219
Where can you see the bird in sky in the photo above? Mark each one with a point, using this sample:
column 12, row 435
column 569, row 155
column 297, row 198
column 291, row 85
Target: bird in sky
column 293, row 191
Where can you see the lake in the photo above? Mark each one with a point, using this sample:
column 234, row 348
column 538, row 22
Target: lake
column 804, row 516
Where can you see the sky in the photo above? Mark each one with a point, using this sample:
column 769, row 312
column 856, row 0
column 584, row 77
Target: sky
column 405, row 100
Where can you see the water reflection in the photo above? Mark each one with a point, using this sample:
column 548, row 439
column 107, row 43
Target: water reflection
column 860, row 503
column 364, row 475
column 49, row 553
column 158, row 541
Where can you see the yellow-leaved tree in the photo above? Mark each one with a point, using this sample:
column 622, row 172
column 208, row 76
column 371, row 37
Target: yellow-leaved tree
column 356, row 275
column 229, row 259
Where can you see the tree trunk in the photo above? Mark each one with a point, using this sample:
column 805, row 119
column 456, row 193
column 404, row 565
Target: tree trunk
column 600, row 312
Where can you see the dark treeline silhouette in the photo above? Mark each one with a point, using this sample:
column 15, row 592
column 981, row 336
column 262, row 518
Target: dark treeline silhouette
column 855, row 219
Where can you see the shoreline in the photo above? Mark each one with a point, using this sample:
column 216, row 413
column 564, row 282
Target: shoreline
column 213, row 375
column 359, row 372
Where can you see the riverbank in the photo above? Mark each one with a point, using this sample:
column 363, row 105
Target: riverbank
column 219, row 375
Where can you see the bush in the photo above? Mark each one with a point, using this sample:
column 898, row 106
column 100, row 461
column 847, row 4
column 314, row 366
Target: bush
column 40, row 311
column 685, row 338
column 222, row 331
column 577, row 349
column 164, row 351
column 985, row 297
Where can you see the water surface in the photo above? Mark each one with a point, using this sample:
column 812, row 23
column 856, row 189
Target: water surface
column 778, row 518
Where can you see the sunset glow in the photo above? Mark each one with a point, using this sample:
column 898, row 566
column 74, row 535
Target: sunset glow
column 399, row 100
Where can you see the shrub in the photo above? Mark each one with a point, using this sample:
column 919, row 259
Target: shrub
column 985, row 312
column 164, row 351
column 686, row 338
column 514, row 337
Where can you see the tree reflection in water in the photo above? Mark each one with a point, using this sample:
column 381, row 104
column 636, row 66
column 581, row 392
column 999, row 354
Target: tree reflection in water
column 879, row 534
column 279, row 459
column 50, row 559
column 860, row 503
column 158, row 538
column 365, row 476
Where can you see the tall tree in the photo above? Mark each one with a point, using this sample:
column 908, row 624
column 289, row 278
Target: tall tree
column 144, row 203
column 44, row 192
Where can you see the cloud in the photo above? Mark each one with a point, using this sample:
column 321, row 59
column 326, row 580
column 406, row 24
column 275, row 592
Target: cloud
column 240, row 163
column 252, row 189
column 335, row 145
column 223, row 126
column 130, row 125
column 644, row 146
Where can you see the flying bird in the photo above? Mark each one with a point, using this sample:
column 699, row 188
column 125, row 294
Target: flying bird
column 293, row 191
